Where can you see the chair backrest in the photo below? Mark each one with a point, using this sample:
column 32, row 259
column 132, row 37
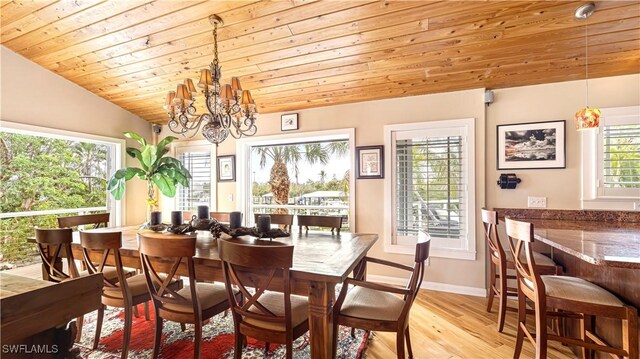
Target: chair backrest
column 284, row 219
column 490, row 223
column 107, row 242
column 174, row 250
column 422, row 254
column 252, row 268
column 333, row 222
column 520, row 238
column 221, row 216
column 187, row 216
column 97, row 220
column 52, row 244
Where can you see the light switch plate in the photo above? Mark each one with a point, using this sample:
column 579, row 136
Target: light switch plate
column 537, row 202
column 230, row 197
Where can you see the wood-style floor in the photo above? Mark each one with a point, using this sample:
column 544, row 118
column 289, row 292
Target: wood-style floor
column 443, row 325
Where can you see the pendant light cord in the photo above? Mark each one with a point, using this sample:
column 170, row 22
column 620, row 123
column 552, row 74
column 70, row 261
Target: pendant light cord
column 586, row 59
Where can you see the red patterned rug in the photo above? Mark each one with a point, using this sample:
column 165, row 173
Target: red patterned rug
column 217, row 340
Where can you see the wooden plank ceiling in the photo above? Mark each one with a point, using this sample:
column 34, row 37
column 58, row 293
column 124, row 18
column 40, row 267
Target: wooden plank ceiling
column 304, row 53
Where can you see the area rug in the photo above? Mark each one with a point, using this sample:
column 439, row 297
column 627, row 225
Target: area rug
column 217, row 341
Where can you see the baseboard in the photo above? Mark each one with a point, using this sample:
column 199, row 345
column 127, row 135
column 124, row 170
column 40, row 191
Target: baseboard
column 441, row 287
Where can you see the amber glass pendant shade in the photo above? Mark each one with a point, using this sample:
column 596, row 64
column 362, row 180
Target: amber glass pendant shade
column 588, row 117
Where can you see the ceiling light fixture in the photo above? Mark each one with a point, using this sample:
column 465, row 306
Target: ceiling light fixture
column 230, row 109
column 588, row 117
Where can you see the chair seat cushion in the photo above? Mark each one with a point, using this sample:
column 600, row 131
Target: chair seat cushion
column 209, row 295
column 372, row 304
column 579, row 290
column 274, row 302
column 541, row 259
column 137, row 286
column 110, row 273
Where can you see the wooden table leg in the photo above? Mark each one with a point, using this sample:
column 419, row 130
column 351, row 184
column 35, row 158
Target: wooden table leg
column 321, row 298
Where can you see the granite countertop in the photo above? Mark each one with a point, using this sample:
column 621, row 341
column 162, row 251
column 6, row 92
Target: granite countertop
column 615, row 244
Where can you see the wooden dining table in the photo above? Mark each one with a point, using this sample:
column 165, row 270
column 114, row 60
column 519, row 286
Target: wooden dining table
column 320, row 262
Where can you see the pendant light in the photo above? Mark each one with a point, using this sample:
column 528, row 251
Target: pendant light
column 587, row 117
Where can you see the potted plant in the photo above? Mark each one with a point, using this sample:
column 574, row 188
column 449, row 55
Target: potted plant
column 159, row 170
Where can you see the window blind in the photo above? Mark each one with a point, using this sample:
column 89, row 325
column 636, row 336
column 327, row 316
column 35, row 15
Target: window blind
column 199, row 190
column 621, row 156
column 430, row 186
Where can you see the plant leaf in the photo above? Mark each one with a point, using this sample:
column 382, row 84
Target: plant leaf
column 136, row 137
column 165, row 184
column 135, row 153
column 165, row 141
column 149, row 157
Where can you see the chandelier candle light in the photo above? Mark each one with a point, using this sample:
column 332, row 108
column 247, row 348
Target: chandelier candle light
column 230, row 109
column 588, row 117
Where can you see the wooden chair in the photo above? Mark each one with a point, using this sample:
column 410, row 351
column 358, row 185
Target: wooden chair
column 125, row 292
column 221, row 216
column 196, row 302
column 374, row 306
column 500, row 262
column 572, row 297
column 274, row 317
column 333, row 222
column 285, row 220
column 97, row 220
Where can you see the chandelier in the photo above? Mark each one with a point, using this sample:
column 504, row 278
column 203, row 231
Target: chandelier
column 230, row 109
column 587, row 117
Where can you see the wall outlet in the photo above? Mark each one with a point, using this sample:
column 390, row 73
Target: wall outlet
column 230, row 197
column 537, row 202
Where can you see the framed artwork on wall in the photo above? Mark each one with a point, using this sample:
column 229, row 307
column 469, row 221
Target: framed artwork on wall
column 289, row 122
column 370, row 162
column 226, row 168
column 534, row 145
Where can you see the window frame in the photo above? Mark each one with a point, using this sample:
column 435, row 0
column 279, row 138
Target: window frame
column 179, row 147
column 243, row 184
column 592, row 158
column 467, row 244
column 115, row 208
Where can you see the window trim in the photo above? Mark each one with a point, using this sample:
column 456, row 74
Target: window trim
column 118, row 212
column 178, row 147
column 243, row 187
column 592, row 172
column 468, row 127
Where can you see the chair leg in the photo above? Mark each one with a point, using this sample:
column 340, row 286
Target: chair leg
column 126, row 339
column 336, row 334
column 630, row 334
column 158, row 335
column 135, row 311
column 492, row 285
column 407, row 336
column 400, row 344
column 266, row 348
column 146, row 311
column 237, row 350
column 183, row 327
column 197, row 340
column 586, row 324
column 522, row 321
column 96, row 340
column 541, row 330
column 289, row 348
column 79, row 323
column 502, row 309
column 353, row 332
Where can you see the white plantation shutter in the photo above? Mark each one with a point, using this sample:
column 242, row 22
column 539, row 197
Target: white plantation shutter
column 432, row 169
column 199, row 190
column 619, row 165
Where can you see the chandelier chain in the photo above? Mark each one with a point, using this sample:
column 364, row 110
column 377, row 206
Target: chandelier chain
column 215, row 41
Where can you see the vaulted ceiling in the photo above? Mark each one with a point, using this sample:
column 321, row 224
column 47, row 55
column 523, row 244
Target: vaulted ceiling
column 303, row 53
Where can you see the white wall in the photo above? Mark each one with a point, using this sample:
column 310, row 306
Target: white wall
column 30, row 94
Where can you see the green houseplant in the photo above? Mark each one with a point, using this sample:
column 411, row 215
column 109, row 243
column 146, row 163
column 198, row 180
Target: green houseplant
column 159, row 170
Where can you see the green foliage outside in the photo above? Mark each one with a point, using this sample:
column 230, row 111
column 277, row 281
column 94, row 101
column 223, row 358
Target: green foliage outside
column 40, row 173
column 623, row 153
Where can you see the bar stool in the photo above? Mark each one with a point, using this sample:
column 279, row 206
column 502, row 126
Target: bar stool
column 573, row 297
column 501, row 261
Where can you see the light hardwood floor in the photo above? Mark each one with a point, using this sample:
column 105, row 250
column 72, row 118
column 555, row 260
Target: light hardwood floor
column 445, row 325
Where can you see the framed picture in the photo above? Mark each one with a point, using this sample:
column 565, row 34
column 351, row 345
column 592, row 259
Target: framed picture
column 289, row 122
column 226, row 168
column 534, row 145
column 370, row 162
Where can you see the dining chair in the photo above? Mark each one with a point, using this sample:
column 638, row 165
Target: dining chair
column 286, row 220
column 500, row 261
column 125, row 292
column 97, row 220
column 564, row 297
column 221, row 216
column 379, row 307
column 195, row 303
column 333, row 222
column 274, row 315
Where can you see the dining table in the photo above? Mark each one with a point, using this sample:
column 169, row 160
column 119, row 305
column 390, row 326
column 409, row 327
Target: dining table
column 321, row 261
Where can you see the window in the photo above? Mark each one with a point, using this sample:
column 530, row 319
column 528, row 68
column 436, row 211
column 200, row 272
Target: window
column 303, row 173
column 197, row 159
column 611, row 161
column 430, row 187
